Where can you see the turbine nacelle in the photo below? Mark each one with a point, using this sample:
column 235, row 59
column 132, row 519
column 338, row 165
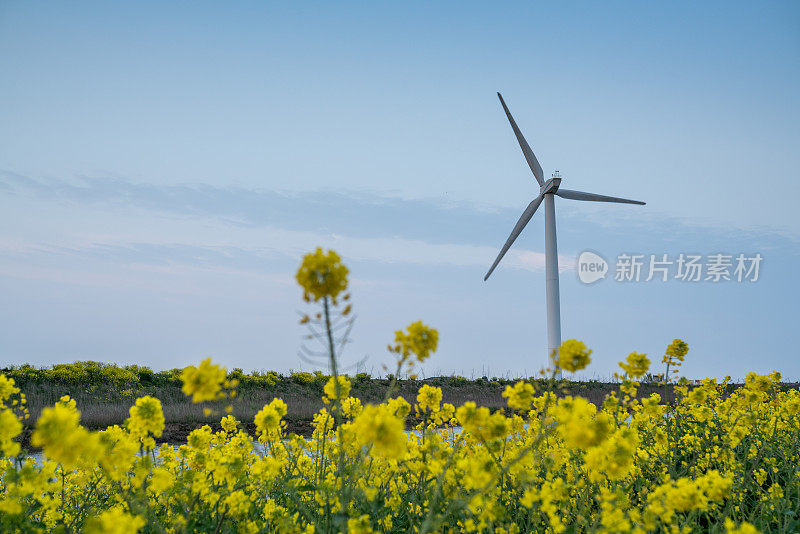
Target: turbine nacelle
column 550, row 186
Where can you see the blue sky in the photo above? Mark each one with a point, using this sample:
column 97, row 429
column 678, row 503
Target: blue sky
column 164, row 167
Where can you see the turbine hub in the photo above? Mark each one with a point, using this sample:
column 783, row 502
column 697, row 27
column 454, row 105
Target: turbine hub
column 551, row 185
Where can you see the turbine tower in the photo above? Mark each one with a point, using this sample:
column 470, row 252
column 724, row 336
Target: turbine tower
column 547, row 192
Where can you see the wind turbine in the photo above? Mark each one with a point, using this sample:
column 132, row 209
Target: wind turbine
column 547, row 190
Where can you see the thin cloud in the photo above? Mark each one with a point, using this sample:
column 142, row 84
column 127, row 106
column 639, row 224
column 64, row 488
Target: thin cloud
column 369, row 226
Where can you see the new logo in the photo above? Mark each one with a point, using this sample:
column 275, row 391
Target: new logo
column 591, row 267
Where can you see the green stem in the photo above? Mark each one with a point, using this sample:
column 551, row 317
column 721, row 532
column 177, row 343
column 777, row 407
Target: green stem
column 331, row 348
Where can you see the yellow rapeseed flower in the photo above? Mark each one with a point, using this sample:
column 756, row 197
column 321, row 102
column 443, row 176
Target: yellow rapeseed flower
column 268, row 421
column 330, row 388
column 114, row 521
column 10, row 428
column 743, row 528
column 359, row 525
column 636, row 365
column 161, row 480
column 520, row 395
column 146, row 417
column 322, row 275
column 398, row 406
column 429, row 399
column 676, row 352
column 418, row 339
column 379, row 427
column 351, row 406
column 7, row 388
column 579, row 424
column 229, row 423
column 204, row 383
column 573, row 355
column 61, row 437
column 613, row 458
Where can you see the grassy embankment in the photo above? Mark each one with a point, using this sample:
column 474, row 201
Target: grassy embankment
column 105, row 392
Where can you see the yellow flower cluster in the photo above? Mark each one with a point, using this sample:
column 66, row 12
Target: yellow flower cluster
column 429, row 399
column 322, row 275
column 674, row 357
column 573, row 355
column 579, row 424
column 715, row 458
column 12, row 406
column 114, row 521
column 59, row 434
column 207, row 382
column 336, row 389
column 269, row 420
column 520, row 395
column 636, row 365
column 146, row 417
column 381, row 429
column 418, row 340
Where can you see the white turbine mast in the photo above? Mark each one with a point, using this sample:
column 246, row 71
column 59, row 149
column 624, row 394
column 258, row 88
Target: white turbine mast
column 547, row 192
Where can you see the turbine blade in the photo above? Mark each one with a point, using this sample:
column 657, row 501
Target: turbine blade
column 523, row 220
column 533, row 163
column 580, row 195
